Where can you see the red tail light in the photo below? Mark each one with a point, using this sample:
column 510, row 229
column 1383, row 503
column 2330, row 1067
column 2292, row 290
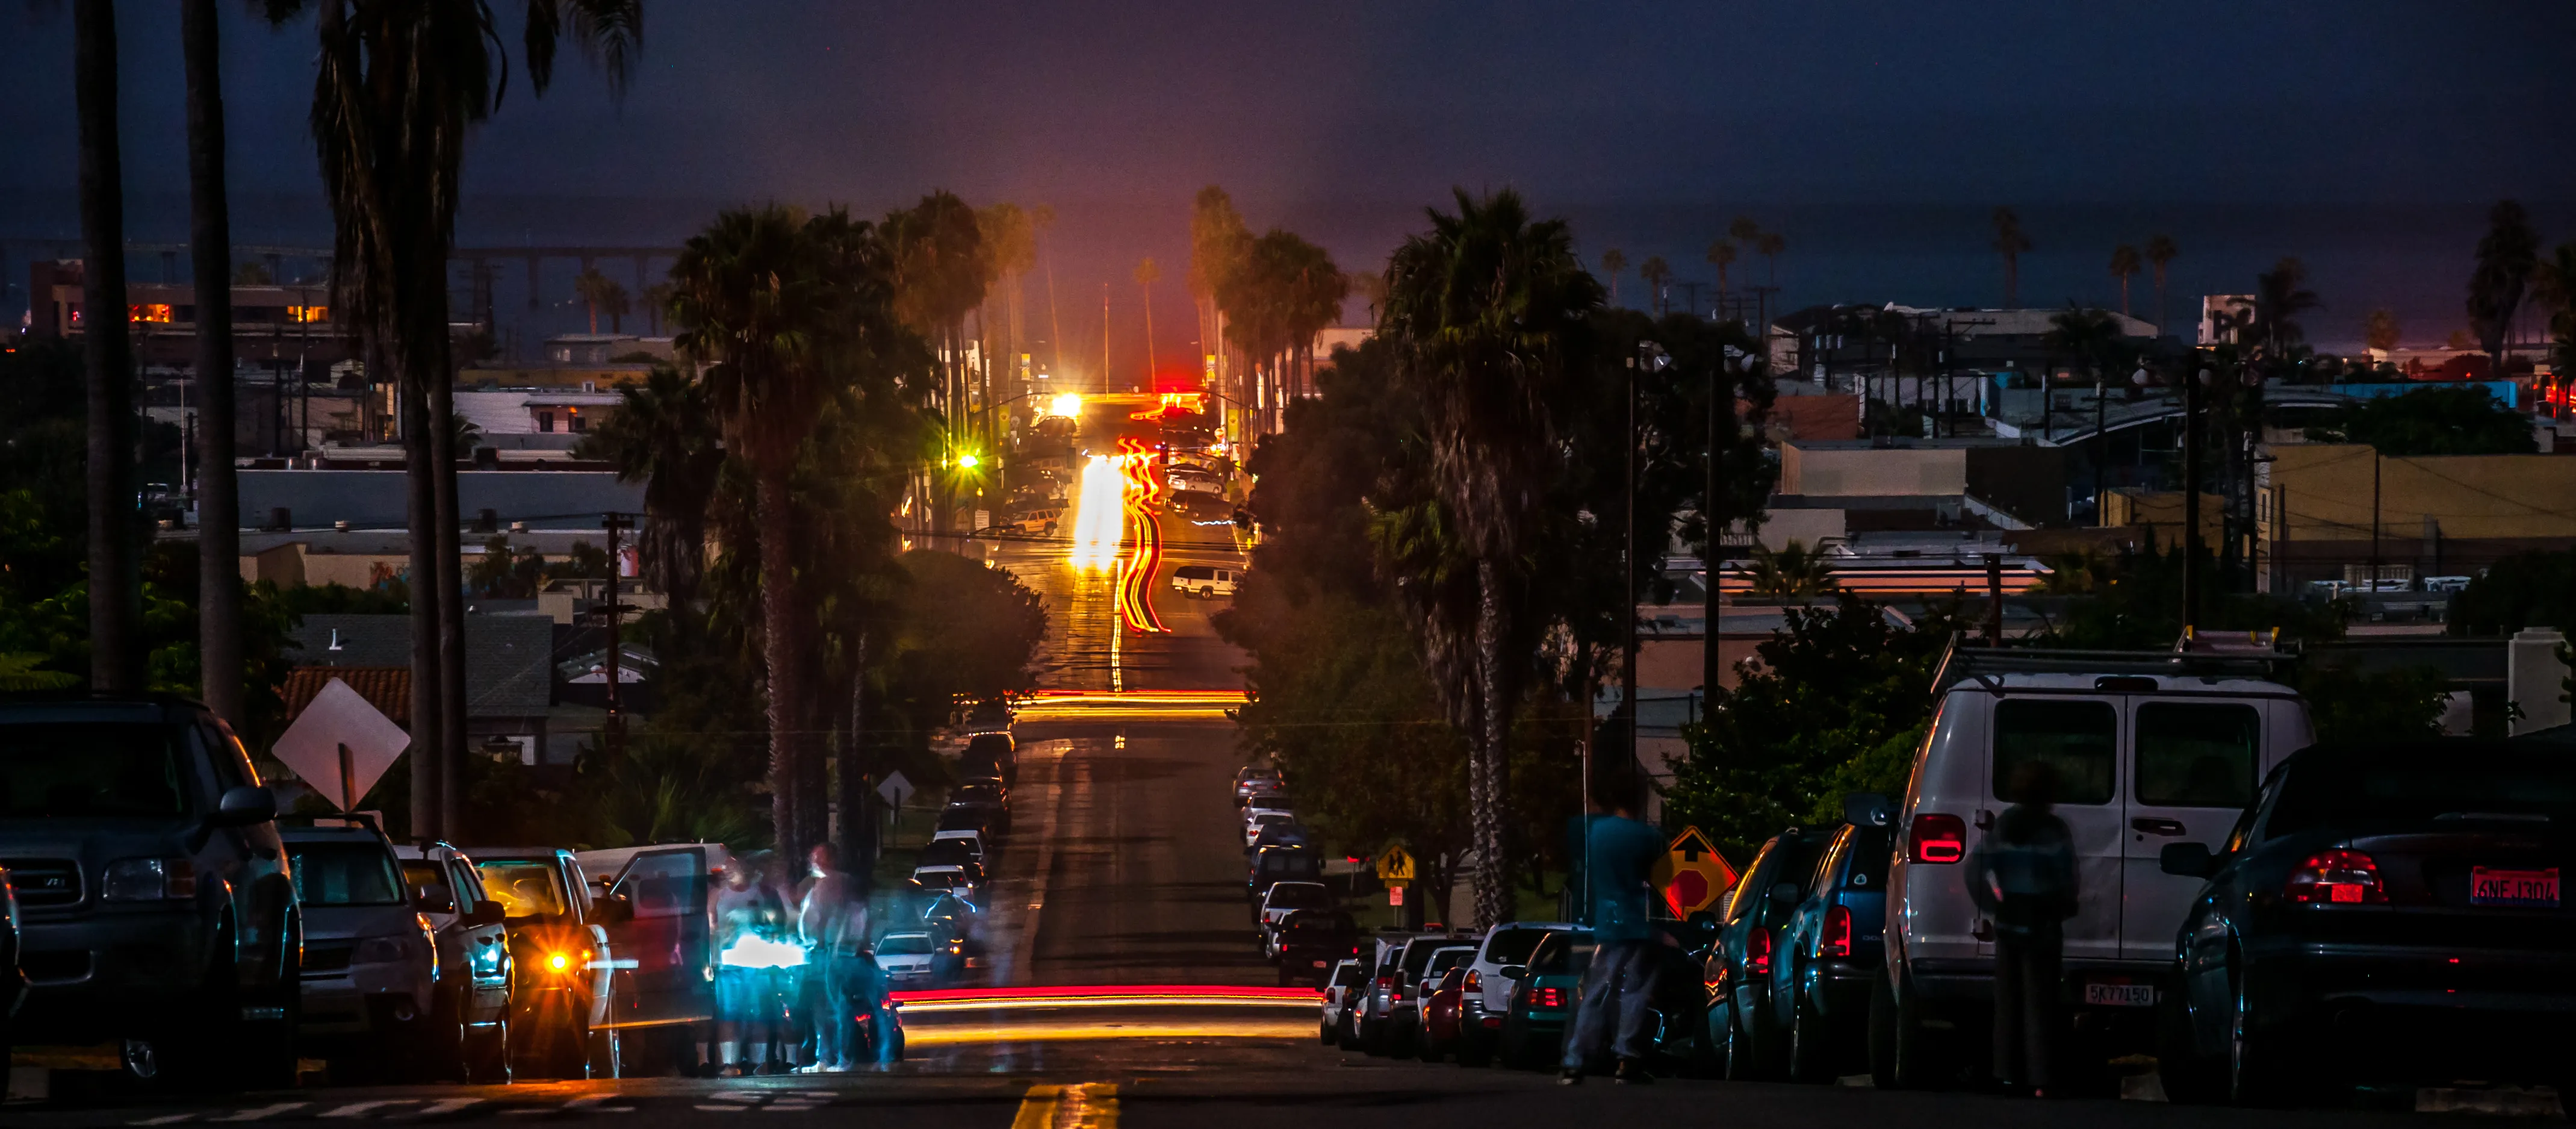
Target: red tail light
column 2337, row 878
column 1543, row 997
column 1937, row 838
column 1757, row 952
column 1475, row 983
column 1835, row 939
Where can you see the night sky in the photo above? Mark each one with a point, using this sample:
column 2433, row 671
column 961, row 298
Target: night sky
column 2366, row 137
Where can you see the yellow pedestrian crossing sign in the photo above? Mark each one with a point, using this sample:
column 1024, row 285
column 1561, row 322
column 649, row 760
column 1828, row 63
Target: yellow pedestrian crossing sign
column 1692, row 874
column 1393, row 865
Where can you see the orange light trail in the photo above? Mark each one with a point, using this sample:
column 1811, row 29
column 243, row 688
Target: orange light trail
column 1136, row 567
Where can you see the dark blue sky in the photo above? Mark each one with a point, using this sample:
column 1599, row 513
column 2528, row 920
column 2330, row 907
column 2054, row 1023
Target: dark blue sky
column 1874, row 135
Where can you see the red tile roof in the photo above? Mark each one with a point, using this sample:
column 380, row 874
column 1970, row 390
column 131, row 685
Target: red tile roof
column 388, row 688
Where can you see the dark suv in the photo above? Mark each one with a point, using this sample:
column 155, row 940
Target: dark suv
column 154, row 895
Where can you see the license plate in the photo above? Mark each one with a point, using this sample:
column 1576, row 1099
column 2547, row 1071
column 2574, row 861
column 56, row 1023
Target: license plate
column 2491, row 886
column 2120, row 995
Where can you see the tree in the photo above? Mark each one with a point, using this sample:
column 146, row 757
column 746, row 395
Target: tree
column 2124, row 266
column 2010, row 242
column 2160, row 254
column 2553, row 286
column 210, row 252
column 665, row 434
column 1794, row 570
column 399, row 87
column 939, row 271
column 115, row 597
column 1147, row 274
column 1769, row 247
column 2088, row 338
column 2507, row 256
column 761, row 293
column 1484, row 307
column 1721, row 255
column 1614, row 262
column 2534, row 588
column 1743, row 230
column 2379, row 330
column 601, row 294
column 2455, row 420
column 1657, row 274
column 2280, row 296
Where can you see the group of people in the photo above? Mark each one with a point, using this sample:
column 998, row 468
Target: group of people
column 803, row 1011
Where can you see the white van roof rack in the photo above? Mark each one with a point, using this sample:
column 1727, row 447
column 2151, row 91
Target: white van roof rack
column 1961, row 663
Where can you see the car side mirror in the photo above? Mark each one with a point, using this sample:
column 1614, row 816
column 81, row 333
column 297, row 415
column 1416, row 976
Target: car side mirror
column 1784, row 894
column 613, row 909
column 432, row 899
column 2190, row 860
column 1513, row 971
column 486, row 913
column 245, row 805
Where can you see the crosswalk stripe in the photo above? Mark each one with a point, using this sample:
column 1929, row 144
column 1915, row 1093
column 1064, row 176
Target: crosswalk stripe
column 448, row 1106
column 361, row 1109
column 164, row 1119
column 263, row 1112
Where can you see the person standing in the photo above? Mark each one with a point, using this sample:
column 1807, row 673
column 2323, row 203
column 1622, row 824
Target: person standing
column 737, row 908
column 832, row 921
column 2023, row 877
column 1611, row 1018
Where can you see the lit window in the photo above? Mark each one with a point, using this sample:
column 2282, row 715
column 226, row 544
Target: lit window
column 307, row 314
column 158, row 312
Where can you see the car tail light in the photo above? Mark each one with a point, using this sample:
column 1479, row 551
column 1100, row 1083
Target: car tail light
column 1937, row 838
column 1543, row 997
column 1475, row 983
column 2338, row 878
column 1835, row 939
column 1757, row 952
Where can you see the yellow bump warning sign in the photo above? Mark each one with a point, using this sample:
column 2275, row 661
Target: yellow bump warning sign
column 1693, row 875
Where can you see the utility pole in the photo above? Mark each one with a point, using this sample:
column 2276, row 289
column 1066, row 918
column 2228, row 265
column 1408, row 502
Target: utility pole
column 1628, row 559
column 1721, row 436
column 2191, row 498
column 1994, row 599
column 1104, row 337
column 2375, row 462
column 613, row 732
column 2101, row 445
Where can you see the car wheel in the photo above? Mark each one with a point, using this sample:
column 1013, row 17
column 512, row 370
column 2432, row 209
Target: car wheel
column 2258, row 1073
column 1811, row 1057
column 1761, row 1038
column 487, row 1053
column 1735, row 1049
column 1898, row 1057
column 1428, row 1048
column 1344, row 1036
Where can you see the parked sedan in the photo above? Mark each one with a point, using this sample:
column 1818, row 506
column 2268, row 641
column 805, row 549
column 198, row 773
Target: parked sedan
column 1737, row 970
column 1342, row 989
column 2384, row 913
column 1533, row 1031
column 1829, row 954
column 1487, row 989
column 918, row 960
column 1437, row 1037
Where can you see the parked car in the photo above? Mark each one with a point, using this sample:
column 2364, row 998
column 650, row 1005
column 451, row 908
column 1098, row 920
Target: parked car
column 1486, row 991
column 2147, row 751
column 968, row 834
column 1737, row 970
column 916, row 959
column 1830, row 951
column 1400, row 984
column 953, row 919
column 473, row 990
column 1259, row 822
column 1311, row 941
column 370, row 967
column 1205, row 582
column 1249, row 781
column 1380, row 955
column 1040, row 520
column 560, row 992
column 1533, row 1031
column 664, row 939
column 1275, row 800
column 993, row 814
column 1341, row 988
column 1281, row 864
column 1436, row 989
column 1282, row 899
column 964, row 878
column 2387, row 913
column 155, row 908
column 1187, row 481
column 992, row 754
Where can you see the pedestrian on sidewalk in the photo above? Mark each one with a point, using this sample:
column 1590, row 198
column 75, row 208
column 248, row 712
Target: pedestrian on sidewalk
column 832, row 921
column 1610, row 1019
column 2022, row 875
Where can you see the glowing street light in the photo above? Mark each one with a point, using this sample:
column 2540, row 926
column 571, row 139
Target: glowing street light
column 1066, row 404
column 1099, row 515
column 968, row 461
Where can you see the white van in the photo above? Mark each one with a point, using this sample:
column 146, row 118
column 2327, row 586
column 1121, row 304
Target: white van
column 1206, row 581
column 2149, row 750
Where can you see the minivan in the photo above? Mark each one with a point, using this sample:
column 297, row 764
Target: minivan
column 2149, row 749
column 1205, row 582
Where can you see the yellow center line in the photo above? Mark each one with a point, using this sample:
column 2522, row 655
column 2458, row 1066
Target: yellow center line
column 1089, row 1105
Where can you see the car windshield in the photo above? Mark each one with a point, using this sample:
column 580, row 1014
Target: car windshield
column 344, row 874
column 2323, row 793
column 1298, row 895
column 905, row 945
column 1563, row 954
column 1513, row 946
column 429, row 876
column 90, row 769
column 524, row 887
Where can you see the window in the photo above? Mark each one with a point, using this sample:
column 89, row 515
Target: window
column 546, row 422
column 1513, row 946
column 1757, row 876
column 2079, row 740
column 70, row 770
column 524, row 887
column 345, row 874
column 664, row 884
column 905, row 945
column 431, row 879
column 2197, row 754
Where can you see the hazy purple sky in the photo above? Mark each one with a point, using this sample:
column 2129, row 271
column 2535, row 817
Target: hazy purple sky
column 1649, row 124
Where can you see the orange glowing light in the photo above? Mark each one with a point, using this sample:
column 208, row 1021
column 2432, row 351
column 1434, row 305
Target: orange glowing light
column 1136, row 462
column 1171, row 404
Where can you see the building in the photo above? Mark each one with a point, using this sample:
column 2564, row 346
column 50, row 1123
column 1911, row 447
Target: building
column 2328, row 511
column 509, row 673
column 520, row 491
column 2004, row 483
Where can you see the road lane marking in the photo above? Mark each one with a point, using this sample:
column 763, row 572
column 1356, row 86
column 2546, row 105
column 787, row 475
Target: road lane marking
column 1089, row 1105
column 447, row 1106
column 263, row 1112
column 165, row 1119
column 360, row 1109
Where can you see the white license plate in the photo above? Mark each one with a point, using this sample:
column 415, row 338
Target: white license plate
column 2496, row 886
column 2120, row 995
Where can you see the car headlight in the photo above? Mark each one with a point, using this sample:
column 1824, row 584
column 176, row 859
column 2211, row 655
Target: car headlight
column 138, row 880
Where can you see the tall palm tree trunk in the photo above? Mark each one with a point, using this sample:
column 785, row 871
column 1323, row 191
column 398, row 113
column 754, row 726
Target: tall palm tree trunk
column 1485, row 768
column 785, row 659
column 850, row 782
column 219, row 641
column 428, row 705
column 447, row 543
column 115, row 567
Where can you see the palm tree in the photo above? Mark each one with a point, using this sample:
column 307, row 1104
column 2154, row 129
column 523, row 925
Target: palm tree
column 115, row 562
column 1769, row 247
column 657, row 298
column 2124, row 266
column 2010, row 242
column 1744, row 231
column 936, row 255
column 210, row 251
column 1721, row 255
column 1482, row 307
column 665, row 435
column 1219, row 240
column 2379, row 330
column 2280, row 296
column 2160, row 252
column 755, row 299
column 1614, row 263
column 1041, row 221
column 2506, row 257
column 1795, row 570
column 600, row 293
column 399, row 87
column 1146, row 275
column 2087, row 337
column 1657, row 274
